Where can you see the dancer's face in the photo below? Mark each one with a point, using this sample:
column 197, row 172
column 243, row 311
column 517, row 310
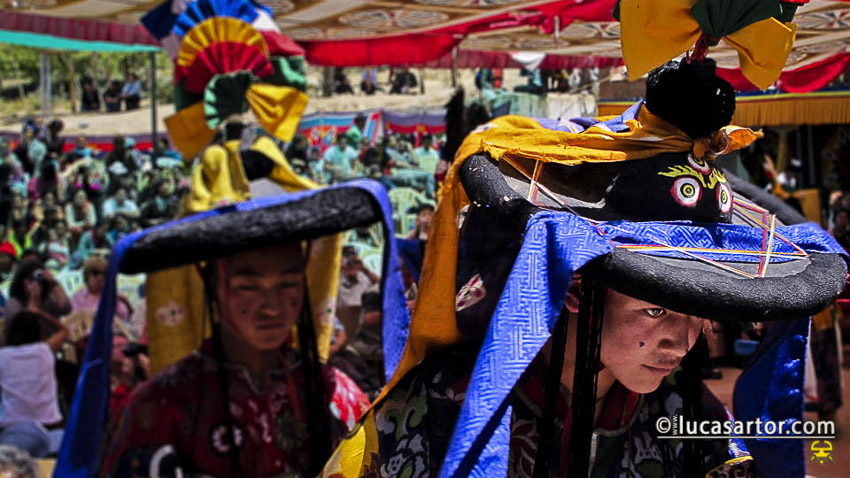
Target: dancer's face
column 261, row 295
column 642, row 343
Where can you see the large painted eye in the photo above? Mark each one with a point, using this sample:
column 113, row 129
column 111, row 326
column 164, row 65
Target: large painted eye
column 686, row 191
column 724, row 197
column 699, row 164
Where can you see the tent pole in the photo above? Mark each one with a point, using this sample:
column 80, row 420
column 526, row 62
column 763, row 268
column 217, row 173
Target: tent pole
column 155, row 145
column 49, row 67
column 41, row 88
column 557, row 30
column 454, row 67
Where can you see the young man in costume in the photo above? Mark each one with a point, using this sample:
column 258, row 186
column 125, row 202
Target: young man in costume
column 254, row 399
column 257, row 295
column 503, row 380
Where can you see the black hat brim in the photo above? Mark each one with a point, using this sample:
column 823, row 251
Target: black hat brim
column 214, row 236
column 793, row 290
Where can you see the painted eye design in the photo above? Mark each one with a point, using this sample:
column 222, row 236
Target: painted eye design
column 686, row 191
column 724, row 197
column 699, row 164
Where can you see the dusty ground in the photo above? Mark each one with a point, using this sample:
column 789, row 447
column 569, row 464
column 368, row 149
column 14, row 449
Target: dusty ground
column 438, row 90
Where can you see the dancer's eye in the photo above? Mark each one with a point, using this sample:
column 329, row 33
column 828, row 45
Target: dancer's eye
column 654, row 312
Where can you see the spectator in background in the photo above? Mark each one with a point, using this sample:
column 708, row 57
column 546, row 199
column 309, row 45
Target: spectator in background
column 131, row 93
column 112, row 97
column 120, row 161
column 91, row 242
column 369, row 82
column 81, row 150
column 50, row 210
column 362, row 356
column 7, row 264
column 160, row 208
column 404, row 82
column 296, row 154
column 353, row 282
column 338, row 159
column 29, row 401
column 118, row 228
column 81, row 216
column 33, row 288
column 8, row 258
column 422, row 225
column 120, row 205
column 534, row 82
column 86, row 299
column 53, row 140
column 341, row 85
column 840, row 229
column 56, row 248
column 90, row 100
column 16, row 463
column 355, row 131
column 21, row 236
column 426, row 155
column 168, row 157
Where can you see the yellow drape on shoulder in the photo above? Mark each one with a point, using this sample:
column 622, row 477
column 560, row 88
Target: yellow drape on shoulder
column 175, row 297
column 433, row 326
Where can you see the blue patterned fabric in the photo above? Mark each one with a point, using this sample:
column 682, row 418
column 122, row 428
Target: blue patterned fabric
column 771, row 388
column 576, row 125
column 556, row 245
column 80, row 451
column 809, row 237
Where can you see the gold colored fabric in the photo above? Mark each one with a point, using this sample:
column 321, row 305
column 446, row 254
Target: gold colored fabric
column 217, row 30
column 277, row 108
column 654, row 32
column 219, row 179
column 188, row 131
column 176, row 312
column 763, row 49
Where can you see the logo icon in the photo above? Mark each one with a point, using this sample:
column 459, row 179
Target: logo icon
column 821, row 451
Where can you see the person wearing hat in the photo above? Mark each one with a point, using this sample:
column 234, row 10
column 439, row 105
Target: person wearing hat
column 254, row 399
column 554, row 326
column 257, row 297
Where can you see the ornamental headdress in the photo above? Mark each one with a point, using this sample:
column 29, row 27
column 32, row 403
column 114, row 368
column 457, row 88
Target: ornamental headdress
column 307, row 217
column 633, row 203
column 761, row 31
column 229, row 57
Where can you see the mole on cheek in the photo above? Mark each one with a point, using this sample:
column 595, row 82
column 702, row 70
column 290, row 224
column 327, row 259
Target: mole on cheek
column 245, row 311
column 641, row 344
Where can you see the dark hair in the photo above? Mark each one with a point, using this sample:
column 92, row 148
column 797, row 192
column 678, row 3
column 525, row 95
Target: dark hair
column 24, row 328
column 25, row 271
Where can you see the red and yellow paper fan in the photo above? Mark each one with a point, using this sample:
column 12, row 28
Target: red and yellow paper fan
column 220, row 45
column 225, row 57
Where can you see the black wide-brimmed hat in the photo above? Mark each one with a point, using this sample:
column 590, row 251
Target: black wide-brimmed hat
column 672, row 215
column 253, row 224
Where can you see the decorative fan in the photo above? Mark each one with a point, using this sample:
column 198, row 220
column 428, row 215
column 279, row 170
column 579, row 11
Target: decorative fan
column 224, row 57
column 656, row 31
column 202, row 10
column 217, row 30
column 225, row 96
